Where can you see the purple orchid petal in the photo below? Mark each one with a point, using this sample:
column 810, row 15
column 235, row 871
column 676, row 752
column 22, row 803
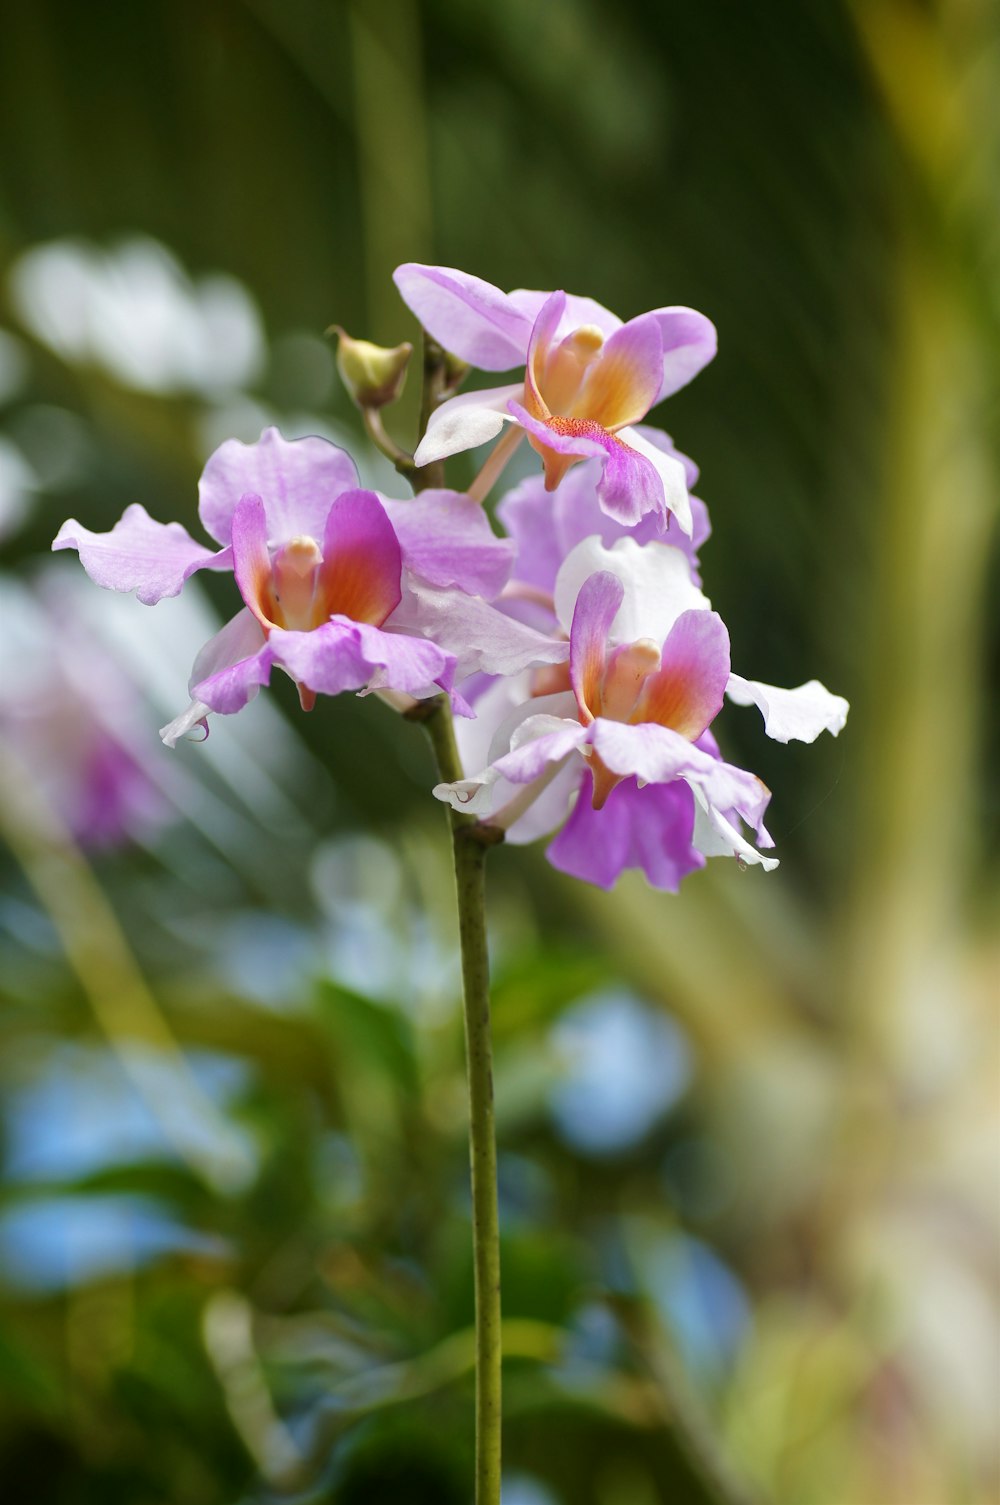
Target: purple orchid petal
column 297, row 479
column 630, row 486
column 622, row 383
column 471, row 318
column 649, row 828
column 670, row 474
column 446, row 540
column 465, row 422
column 539, row 741
column 346, row 655
column 596, row 608
column 657, row 755
column 687, row 691
column 240, row 639
column 362, row 561
column 483, row 639
column 229, row 689
column 139, row 554
column 797, row 715
column 689, row 343
column 546, row 526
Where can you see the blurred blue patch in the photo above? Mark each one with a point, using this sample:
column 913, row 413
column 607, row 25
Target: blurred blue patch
column 702, row 1302
column 61, row 1242
column 80, row 1113
column 525, row 1489
column 624, row 1065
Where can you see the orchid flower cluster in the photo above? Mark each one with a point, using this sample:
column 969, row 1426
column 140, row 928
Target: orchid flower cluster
column 579, row 653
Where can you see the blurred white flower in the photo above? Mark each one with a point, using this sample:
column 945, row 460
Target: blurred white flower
column 136, row 312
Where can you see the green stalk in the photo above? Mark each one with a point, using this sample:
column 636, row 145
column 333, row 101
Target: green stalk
column 470, row 842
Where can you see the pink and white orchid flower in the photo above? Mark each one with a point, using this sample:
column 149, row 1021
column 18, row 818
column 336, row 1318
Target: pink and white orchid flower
column 589, row 379
column 648, row 670
column 323, row 568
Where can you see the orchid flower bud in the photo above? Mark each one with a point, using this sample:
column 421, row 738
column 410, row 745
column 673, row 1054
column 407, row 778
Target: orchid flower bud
column 373, row 374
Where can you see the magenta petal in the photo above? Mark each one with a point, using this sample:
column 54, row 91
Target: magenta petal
column 139, row 554
column 596, row 608
column 344, row 655
column 689, row 343
column 446, row 540
column 297, row 479
column 649, row 828
column 362, row 563
column 471, row 318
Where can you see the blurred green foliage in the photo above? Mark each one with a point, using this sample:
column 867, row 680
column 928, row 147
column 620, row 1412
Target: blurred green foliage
column 234, row 1218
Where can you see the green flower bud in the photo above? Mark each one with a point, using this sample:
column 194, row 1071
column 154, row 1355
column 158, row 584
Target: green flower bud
column 373, row 375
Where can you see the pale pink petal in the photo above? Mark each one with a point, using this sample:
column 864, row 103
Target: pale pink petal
column 687, row 691
column 797, row 715
column 716, row 836
column 656, row 580
column 577, row 311
column 689, row 343
column 649, row 828
column 465, row 422
column 362, row 564
column 296, row 478
column 446, row 540
column 470, row 317
column 483, row 639
column 139, row 554
column 596, row 607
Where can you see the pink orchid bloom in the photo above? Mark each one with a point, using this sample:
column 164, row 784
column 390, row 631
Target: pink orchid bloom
column 589, row 379
column 629, row 739
column 327, row 572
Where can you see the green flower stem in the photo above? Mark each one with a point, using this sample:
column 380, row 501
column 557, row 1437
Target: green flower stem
column 470, row 842
column 434, row 387
column 375, row 429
